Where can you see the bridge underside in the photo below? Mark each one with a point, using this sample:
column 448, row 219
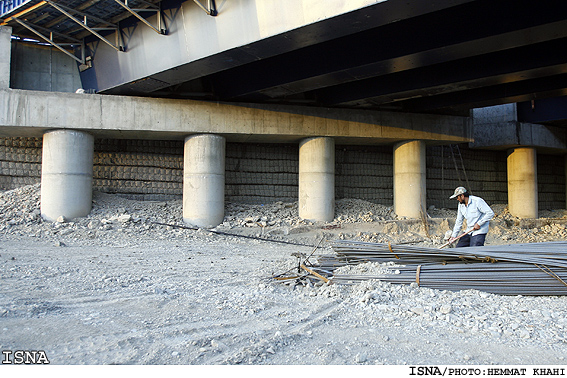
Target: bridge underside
column 445, row 58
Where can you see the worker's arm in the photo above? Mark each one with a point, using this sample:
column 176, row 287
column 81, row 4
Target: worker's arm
column 486, row 211
column 458, row 223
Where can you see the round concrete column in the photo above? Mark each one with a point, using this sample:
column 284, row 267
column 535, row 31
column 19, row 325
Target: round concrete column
column 522, row 182
column 317, row 179
column 203, row 180
column 66, row 174
column 409, row 179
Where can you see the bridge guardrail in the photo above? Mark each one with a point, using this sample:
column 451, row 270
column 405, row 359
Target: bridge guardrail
column 7, row 6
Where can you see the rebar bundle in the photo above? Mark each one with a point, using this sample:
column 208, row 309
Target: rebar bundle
column 515, row 269
column 550, row 253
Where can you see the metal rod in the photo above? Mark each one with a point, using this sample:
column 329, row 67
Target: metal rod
column 48, row 40
column 41, row 29
column 457, row 238
column 520, row 269
column 83, row 25
column 85, row 15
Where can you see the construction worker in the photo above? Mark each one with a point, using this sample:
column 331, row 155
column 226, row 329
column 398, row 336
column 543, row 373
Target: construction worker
column 478, row 215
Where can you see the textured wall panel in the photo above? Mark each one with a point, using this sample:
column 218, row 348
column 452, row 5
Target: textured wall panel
column 265, row 173
column 482, row 172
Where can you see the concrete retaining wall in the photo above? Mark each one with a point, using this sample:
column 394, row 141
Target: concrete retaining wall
column 482, row 172
column 42, row 68
column 365, row 173
column 142, row 169
column 264, row 173
column 20, row 162
column 551, row 182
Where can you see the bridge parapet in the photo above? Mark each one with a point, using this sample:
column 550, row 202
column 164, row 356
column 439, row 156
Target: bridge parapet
column 7, row 6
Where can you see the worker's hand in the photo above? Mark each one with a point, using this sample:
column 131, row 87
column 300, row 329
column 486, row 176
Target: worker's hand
column 452, row 239
column 476, row 227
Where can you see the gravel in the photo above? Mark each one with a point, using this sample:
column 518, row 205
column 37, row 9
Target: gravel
column 119, row 287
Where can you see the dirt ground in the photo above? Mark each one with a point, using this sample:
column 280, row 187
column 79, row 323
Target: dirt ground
column 129, row 285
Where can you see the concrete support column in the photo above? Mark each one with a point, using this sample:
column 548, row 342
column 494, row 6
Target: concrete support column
column 522, row 182
column 317, row 179
column 203, row 180
column 66, row 174
column 5, row 55
column 409, row 179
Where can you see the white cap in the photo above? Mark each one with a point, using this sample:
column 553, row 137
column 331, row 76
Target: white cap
column 458, row 191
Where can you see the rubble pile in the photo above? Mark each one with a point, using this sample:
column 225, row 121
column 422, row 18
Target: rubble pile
column 509, row 318
column 354, row 220
column 356, row 211
column 286, row 214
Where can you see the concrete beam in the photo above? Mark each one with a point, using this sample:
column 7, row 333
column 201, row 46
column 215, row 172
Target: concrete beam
column 549, row 139
column 497, row 127
column 31, row 113
column 495, row 115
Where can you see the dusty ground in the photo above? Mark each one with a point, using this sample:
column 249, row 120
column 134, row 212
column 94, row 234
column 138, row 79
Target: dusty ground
column 119, row 287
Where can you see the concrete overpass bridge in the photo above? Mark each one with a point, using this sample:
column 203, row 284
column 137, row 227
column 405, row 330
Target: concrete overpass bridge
column 444, row 57
column 311, row 72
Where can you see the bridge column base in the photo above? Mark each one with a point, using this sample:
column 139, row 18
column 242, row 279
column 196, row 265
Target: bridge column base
column 66, row 174
column 409, row 179
column 317, row 179
column 203, row 180
column 522, row 182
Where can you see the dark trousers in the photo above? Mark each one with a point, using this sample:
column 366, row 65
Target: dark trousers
column 471, row 241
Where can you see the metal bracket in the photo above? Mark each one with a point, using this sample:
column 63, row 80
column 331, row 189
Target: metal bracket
column 83, row 24
column 210, row 9
column 48, row 40
column 86, row 65
column 134, row 12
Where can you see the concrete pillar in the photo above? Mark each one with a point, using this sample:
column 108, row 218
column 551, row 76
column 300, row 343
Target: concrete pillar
column 66, row 174
column 409, row 179
column 317, row 179
column 5, row 55
column 522, row 182
column 203, row 180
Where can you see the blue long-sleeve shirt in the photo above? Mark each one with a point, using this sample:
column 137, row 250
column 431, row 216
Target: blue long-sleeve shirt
column 477, row 211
